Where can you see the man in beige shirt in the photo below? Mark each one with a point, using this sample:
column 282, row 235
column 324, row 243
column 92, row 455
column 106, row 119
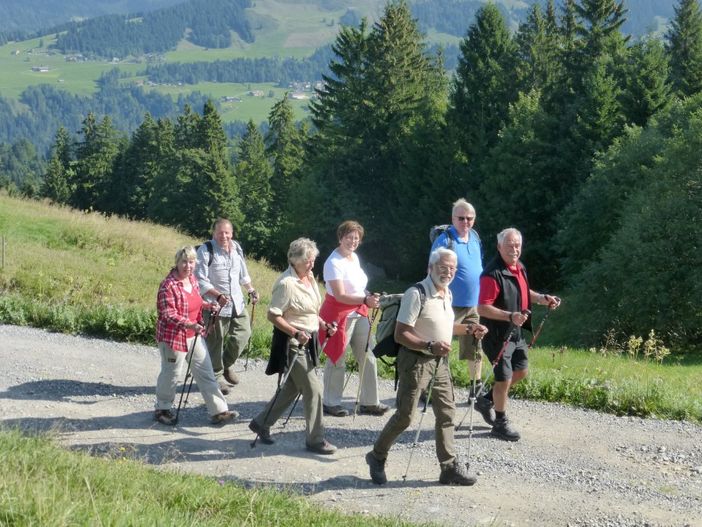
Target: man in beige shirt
column 424, row 332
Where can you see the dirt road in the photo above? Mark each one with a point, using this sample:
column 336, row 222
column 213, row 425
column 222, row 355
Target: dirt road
column 572, row 467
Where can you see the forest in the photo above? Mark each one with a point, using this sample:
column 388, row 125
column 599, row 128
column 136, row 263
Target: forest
column 586, row 141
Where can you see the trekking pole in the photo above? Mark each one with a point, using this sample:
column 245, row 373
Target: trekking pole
column 508, row 336
column 371, row 320
column 185, row 381
column 315, row 372
column 251, row 325
column 424, row 411
column 472, row 395
column 282, row 379
column 540, row 327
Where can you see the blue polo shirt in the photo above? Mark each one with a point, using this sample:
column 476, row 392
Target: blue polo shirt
column 465, row 286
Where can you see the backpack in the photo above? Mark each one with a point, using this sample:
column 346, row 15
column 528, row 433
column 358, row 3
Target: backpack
column 210, row 250
column 385, row 330
column 438, row 230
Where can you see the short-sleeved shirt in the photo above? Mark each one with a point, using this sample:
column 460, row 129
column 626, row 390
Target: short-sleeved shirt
column 225, row 274
column 349, row 271
column 466, row 284
column 295, row 302
column 490, row 290
column 434, row 321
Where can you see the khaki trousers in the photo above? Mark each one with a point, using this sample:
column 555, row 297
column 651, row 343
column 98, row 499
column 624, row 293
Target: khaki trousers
column 227, row 340
column 357, row 329
column 415, row 371
column 302, row 379
column 173, row 367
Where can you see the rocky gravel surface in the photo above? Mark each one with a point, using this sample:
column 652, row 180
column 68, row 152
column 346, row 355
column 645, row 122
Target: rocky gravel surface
column 572, row 467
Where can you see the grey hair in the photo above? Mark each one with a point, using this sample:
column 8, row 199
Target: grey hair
column 185, row 253
column 301, row 250
column 436, row 255
column 462, row 204
column 505, row 232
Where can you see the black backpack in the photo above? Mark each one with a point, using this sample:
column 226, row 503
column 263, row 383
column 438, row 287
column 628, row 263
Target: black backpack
column 210, row 250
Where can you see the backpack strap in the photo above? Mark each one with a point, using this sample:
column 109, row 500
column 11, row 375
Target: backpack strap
column 210, row 251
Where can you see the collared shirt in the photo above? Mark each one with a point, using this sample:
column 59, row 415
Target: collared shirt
column 295, row 302
column 226, row 274
column 435, row 321
column 465, row 286
column 172, row 308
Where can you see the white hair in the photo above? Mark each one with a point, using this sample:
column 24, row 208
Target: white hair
column 506, row 232
column 436, row 255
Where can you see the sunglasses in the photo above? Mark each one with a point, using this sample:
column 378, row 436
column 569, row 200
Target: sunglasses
column 465, row 218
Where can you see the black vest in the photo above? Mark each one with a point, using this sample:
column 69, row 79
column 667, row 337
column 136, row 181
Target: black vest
column 509, row 299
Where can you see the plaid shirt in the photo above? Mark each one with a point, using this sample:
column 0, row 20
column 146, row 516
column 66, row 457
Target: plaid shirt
column 172, row 308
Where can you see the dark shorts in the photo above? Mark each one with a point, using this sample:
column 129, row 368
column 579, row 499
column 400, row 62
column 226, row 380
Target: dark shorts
column 515, row 358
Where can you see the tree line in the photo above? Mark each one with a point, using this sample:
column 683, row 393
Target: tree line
column 585, row 141
column 209, row 24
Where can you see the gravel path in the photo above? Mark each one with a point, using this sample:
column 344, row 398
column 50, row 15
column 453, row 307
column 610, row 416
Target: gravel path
column 572, row 467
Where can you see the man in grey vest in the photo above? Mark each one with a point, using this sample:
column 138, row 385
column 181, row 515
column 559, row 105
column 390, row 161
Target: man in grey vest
column 222, row 274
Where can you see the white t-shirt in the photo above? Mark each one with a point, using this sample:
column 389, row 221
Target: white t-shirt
column 348, row 271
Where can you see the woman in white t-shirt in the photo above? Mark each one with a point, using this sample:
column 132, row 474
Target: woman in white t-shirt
column 347, row 303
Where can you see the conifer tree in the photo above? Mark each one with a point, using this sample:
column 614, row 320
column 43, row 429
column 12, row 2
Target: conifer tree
column 59, row 173
column 285, row 150
column 484, row 84
column 684, row 45
column 537, row 46
column 378, row 118
column 253, row 174
column 646, row 90
column 95, row 156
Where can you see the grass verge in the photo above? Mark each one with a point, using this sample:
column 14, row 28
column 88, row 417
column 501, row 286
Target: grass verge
column 42, row 484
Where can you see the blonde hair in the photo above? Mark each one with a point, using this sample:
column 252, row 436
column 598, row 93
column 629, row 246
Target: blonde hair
column 185, row 253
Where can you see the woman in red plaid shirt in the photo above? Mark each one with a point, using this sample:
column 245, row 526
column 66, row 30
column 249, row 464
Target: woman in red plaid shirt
column 179, row 307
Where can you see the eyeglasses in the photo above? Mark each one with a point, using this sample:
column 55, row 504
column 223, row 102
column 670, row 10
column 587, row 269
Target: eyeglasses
column 447, row 269
column 465, row 218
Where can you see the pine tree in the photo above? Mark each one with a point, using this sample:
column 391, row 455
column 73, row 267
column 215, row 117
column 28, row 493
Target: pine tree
column 537, row 46
column 378, row 118
column 647, row 90
column 684, row 45
column 95, row 156
column 285, row 150
column 59, row 173
column 253, row 174
column 484, row 84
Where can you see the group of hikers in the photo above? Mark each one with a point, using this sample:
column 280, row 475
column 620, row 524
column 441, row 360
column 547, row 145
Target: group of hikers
column 203, row 322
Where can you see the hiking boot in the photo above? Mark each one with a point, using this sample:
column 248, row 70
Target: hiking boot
column 375, row 409
column 264, row 434
column 377, row 469
column 503, row 430
column 223, row 417
column 324, row 448
column 230, row 376
column 336, row 411
column 486, row 409
column 456, row 474
column 224, row 387
column 165, row 417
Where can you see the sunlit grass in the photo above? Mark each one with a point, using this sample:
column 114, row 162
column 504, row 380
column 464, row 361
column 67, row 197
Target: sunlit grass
column 41, row 484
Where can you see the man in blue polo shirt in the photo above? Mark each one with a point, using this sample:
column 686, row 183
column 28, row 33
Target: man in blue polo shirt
column 462, row 239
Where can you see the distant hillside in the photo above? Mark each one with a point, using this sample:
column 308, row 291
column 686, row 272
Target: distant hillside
column 208, row 23
column 35, row 15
